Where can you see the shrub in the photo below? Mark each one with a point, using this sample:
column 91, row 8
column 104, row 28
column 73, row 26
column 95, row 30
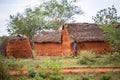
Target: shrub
column 4, row 75
column 112, row 35
column 56, row 77
column 86, row 57
column 14, row 64
column 86, row 77
column 3, row 45
column 43, row 74
column 37, row 77
column 31, row 73
column 112, row 59
column 106, row 77
column 49, row 69
column 53, row 65
column 19, row 78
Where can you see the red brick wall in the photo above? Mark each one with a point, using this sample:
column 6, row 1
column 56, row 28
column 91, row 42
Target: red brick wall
column 48, row 49
column 19, row 49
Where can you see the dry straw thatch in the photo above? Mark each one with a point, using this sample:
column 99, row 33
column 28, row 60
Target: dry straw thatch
column 48, row 36
column 82, row 32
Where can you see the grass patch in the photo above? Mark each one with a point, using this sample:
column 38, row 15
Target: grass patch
column 91, row 59
column 85, row 59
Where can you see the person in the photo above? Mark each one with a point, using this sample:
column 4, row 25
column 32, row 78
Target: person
column 75, row 48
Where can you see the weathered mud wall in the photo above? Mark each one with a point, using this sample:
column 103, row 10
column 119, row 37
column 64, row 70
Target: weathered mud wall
column 19, row 49
column 48, row 49
column 66, row 45
column 96, row 46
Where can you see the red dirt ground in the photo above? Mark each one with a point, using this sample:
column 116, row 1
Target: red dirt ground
column 75, row 70
column 72, row 70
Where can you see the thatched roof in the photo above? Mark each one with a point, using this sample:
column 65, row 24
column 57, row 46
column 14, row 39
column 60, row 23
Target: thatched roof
column 17, row 37
column 45, row 36
column 82, row 32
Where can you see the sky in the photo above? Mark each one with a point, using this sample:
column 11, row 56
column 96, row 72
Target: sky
column 90, row 8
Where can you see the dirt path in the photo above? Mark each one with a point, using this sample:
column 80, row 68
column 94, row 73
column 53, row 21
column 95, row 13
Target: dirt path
column 91, row 70
column 76, row 70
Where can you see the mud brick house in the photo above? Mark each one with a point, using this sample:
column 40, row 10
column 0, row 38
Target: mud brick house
column 48, row 43
column 88, row 36
column 19, row 47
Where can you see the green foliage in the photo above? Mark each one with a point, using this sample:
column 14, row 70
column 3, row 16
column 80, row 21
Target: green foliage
column 49, row 15
column 86, row 77
column 20, row 78
column 14, row 64
column 105, row 77
column 38, row 77
column 107, row 16
column 86, row 57
column 31, row 73
column 113, row 58
column 89, row 58
column 3, row 44
column 49, row 69
column 56, row 77
column 27, row 23
column 57, row 12
column 112, row 35
column 54, row 65
column 4, row 75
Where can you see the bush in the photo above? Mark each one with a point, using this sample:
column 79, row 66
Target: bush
column 106, row 77
column 112, row 35
column 49, row 69
column 56, row 77
column 19, row 78
column 14, row 64
column 3, row 45
column 43, row 74
column 31, row 73
column 37, row 77
column 112, row 59
column 4, row 75
column 86, row 77
column 53, row 65
column 86, row 57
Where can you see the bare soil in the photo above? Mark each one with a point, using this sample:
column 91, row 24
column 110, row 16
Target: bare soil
column 75, row 70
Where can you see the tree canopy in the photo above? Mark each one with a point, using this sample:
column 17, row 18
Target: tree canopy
column 51, row 14
column 107, row 16
column 108, row 19
column 27, row 23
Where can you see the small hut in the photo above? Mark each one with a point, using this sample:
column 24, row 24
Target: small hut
column 19, row 47
column 48, row 43
column 88, row 36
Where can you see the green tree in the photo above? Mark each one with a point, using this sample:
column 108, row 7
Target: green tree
column 57, row 12
column 107, row 16
column 109, row 19
column 27, row 23
column 112, row 35
column 51, row 14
